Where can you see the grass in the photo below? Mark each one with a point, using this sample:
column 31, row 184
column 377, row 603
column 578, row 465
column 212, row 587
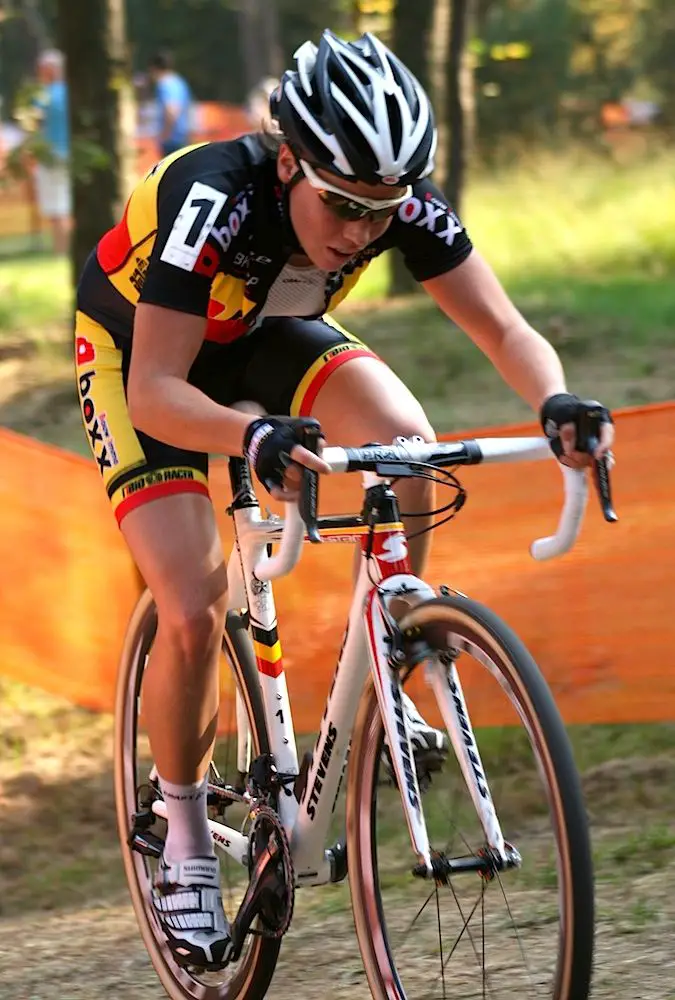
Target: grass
column 650, row 849
column 641, row 913
column 576, row 215
column 35, row 294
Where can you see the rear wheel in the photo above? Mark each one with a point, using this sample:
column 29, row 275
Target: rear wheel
column 249, row 978
column 525, row 931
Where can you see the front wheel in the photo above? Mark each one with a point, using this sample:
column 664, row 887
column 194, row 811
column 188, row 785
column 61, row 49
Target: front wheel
column 525, row 932
column 249, row 978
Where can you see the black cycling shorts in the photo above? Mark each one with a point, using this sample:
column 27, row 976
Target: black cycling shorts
column 281, row 365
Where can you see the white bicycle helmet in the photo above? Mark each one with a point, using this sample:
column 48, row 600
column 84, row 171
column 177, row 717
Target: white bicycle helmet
column 354, row 109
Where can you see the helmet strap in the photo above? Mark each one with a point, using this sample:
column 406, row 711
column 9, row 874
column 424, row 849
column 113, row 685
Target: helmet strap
column 295, row 179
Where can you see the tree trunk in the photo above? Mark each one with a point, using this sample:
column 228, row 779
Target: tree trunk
column 272, row 35
column 460, row 101
column 92, row 35
column 249, row 26
column 438, row 83
column 261, row 47
column 35, row 22
column 410, row 42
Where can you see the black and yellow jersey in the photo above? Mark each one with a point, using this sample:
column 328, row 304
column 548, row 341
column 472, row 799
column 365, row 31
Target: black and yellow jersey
column 206, row 232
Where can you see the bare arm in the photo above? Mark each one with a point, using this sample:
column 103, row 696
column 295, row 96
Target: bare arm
column 161, row 401
column 472, row 297
column 165, row 406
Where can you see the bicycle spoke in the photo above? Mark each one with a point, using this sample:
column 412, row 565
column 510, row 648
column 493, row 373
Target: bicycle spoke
column 483, row 932
column 440, row 939
column 465, row 927
column 517, row 933
column 448, row 847
column 421, row 910
column 524, row 955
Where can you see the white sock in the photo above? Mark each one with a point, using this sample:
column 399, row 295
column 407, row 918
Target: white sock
column 188, row 834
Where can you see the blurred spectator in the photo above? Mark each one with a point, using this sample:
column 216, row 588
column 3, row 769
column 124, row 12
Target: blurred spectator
column 174, row 100
column 52, row 175
column 258, row 103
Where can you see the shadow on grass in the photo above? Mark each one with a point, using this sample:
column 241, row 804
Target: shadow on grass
column 59, row 845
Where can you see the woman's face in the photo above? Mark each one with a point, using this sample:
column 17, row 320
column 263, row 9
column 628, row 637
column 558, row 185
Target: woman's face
column 328, row 240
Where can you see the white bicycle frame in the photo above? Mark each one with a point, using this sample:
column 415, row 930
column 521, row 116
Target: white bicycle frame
column 365, row 648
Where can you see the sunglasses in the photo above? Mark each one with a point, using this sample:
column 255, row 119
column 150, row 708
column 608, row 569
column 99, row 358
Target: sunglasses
column 350, row 207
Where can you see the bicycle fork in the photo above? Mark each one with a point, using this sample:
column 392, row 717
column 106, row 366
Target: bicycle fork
column 386, row 656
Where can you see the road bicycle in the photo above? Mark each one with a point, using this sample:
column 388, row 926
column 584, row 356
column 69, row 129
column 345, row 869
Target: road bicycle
column 498, row 836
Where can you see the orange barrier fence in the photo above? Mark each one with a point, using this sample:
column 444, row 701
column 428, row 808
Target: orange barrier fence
column 599, row 621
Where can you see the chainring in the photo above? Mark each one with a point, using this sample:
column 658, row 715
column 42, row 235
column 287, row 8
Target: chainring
column 278, row 893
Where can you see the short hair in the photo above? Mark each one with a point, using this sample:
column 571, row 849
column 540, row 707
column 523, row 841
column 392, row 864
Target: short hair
column 162, row 60
column 271, row 137
column 51, row 57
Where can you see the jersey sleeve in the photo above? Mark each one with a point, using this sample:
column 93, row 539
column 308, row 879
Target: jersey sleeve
column 184, row 260
column 429, row 234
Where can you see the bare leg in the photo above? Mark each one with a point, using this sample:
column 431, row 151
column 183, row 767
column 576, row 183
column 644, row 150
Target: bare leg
column 176, row 546
column 363, row 400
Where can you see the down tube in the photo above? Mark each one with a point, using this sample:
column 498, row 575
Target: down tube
column 323, row 779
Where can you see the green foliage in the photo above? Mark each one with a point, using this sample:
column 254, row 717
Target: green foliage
column 657, row 53
column 87, row 158
column 520, row 95
column 299, row 21
column 201, row 34
column 204, row 38
column 546, row 67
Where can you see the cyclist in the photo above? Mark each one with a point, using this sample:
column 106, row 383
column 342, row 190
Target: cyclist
column 215, row 287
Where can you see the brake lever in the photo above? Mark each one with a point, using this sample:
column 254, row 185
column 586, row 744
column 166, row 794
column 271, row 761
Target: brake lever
column 603, row 486
column 589, row 432
column 308, row 504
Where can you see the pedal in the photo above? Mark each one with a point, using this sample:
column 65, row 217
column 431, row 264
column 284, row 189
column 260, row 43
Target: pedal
column 428, row 761
column 146, row 843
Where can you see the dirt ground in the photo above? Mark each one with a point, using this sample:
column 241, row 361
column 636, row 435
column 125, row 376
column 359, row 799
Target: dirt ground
column 96, row 953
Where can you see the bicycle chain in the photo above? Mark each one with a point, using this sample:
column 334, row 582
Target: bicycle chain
column 267, row 815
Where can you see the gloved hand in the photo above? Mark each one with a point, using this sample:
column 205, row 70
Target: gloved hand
column 274, row 447
column 577, row 429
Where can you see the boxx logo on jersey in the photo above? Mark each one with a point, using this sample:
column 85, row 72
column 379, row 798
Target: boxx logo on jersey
column 225, row 234
column 431, row 215
column 96, row 423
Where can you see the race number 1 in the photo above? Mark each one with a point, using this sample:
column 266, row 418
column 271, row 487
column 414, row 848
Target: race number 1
column 193, row 224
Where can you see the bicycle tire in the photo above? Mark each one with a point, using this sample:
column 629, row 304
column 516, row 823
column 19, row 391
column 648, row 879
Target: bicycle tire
column 253, row 974
column 463, row 617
